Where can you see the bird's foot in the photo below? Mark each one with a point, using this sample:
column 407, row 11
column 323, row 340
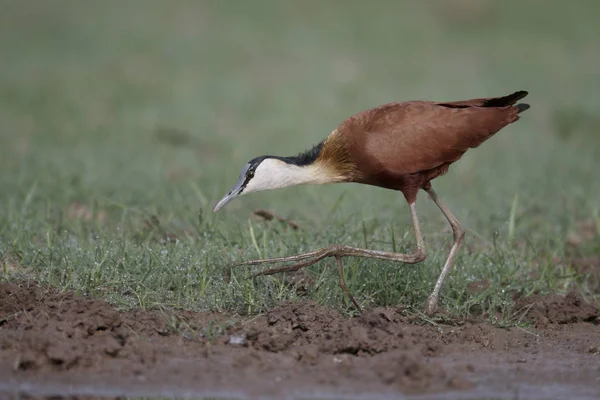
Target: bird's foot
column 338, row 251
column 432, row 305
column 311, row 258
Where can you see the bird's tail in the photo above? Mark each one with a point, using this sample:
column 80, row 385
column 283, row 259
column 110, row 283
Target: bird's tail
column 509, row 100
column 505, row 101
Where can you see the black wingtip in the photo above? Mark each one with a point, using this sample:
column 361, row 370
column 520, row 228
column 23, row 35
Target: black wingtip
column 519, row 94
column 506, row 100
column 522, row 107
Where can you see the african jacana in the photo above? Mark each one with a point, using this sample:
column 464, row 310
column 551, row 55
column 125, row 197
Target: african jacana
column 399, row 146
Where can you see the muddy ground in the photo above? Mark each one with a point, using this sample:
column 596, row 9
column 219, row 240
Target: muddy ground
column 56, row 343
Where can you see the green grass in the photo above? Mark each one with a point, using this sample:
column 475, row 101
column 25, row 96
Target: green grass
column 146, row 111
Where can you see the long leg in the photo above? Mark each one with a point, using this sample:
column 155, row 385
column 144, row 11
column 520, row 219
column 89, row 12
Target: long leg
column 339, row 251
column 459, row 235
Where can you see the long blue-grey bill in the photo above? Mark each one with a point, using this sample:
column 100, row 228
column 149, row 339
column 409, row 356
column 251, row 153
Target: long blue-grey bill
column 226, row 199
column 233, row 193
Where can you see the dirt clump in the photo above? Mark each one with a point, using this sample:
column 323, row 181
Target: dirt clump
column 50, row 333
column 53, row 330
column 378, row 340
column 59, row 342
column 558, row 309
column 296, row 326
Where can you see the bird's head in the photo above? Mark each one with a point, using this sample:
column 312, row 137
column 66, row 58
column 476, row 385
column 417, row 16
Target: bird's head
column 271, row 172
column 326, row 162
column 250, row 180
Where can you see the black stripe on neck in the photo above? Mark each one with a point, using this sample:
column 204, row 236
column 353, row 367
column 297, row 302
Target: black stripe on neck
column 303, row 159
column 306, row 158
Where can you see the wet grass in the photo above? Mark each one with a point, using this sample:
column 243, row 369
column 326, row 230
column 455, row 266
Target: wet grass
column 122, row 124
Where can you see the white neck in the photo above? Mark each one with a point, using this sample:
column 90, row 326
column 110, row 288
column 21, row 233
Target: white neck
column 272, row 173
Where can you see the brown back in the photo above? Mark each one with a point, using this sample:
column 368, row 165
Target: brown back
column 398, row 139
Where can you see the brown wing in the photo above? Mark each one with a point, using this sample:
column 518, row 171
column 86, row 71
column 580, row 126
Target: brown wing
column 404, row 138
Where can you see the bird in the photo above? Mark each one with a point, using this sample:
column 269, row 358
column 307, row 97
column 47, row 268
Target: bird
column 400, row 146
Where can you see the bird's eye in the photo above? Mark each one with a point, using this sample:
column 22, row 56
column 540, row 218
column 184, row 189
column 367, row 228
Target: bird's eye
column 250, row 174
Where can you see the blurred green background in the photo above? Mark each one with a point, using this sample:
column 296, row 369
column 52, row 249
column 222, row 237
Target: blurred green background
column 114, row 112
